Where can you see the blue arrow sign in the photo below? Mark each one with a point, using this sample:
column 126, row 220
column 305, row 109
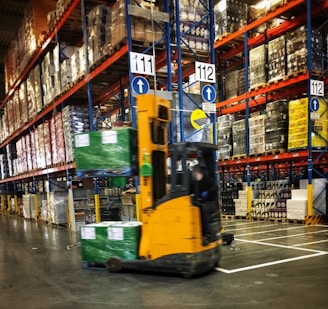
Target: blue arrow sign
column 140, row 85
column 209, row 93
column 314, row 105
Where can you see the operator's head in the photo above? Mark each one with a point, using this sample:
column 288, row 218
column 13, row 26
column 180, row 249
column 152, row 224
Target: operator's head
column 198, row 172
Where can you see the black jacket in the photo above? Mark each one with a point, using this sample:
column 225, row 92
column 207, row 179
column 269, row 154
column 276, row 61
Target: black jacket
column 206, row 184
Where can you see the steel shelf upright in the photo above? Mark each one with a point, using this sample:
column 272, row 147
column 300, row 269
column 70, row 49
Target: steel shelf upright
column 186, row 53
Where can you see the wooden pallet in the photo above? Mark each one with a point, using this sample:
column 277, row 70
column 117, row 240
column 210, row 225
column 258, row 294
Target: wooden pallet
column 238, row 157
column 241, row 217
column 258, row 87
column 228, row 217
column 295, row 221
column 276, row 81
column 277, row 6
column 278, row 220
column 276, row 151
column 258, row 219
column 295, row 74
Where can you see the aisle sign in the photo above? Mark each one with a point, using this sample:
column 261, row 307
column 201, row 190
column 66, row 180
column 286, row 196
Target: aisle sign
column 314, row 104
column 140, row 85
column 209, row 108
column 317, row 88
column 205, row 72
column 208, row 93
column 142, row 64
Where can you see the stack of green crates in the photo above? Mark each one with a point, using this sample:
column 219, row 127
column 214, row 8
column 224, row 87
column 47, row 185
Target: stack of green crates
column 111, row 152
column 101, row 241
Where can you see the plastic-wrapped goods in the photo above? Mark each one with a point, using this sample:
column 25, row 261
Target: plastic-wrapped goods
column 57, row 208
column 225, row 136
column 258, row 66
column 44, row 210
column 41, row 150
column 75, row 120
column 231, row 83
column 53, row 141
column 239, row 137
column 277, row 58
column 297, row 209
column 28, row 206
column 298, row 125
column 60, row 142
column 276, row 126
column 101, row 241
column 229, row 15
column 191, row 12
column 47, row 142
column 297, row 50
column 106, row 152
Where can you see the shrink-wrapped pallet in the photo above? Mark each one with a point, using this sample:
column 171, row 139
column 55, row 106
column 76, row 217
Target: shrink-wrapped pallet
column 101, row 241
column 106, row 152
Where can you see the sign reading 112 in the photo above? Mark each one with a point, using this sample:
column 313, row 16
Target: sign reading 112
column 205, row 72
column 142, row 63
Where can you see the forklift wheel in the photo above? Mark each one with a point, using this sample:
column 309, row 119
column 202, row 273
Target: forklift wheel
column 114, row 265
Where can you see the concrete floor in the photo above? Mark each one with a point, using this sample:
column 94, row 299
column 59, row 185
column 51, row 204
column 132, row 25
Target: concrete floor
column 270, row 265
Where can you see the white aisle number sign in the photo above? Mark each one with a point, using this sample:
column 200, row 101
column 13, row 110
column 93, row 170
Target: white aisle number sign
column 317, row 88
column 142, row 63
column 205, row 72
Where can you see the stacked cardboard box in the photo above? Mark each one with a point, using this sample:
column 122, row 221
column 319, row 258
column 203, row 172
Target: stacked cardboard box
column 297, row 50
column 229, row 193
column 241, row 81
column 298, row 125
column 257, row 134
column 75, row 120
column 239, row 137
column 47, row 143
column 191, row 12
column 230, row 16
column 224, row 136
column 99, row 31
column 241, row 203
column 258, row 66
column 277, row 58
column 34, row 23
column 276, row 126
column 57, row 207
column 297, row 205
column 231, row 84
column 48, row 77
column 60, row 142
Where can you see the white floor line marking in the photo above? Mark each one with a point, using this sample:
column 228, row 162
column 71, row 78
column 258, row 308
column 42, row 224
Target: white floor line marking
column 294, row 235
column 242, row 223
column 253, row 227
column 231, row 271
column 310, row 243
column 279, row 230
column 259, row 242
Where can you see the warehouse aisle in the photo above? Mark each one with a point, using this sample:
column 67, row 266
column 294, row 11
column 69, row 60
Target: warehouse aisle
column 37, row 271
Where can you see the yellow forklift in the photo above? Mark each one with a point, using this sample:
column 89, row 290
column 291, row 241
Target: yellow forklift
column 172, row 232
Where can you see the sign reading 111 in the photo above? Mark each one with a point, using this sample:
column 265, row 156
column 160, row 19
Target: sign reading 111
column 142, row 64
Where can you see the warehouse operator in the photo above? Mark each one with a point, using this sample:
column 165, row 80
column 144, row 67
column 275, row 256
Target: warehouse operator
column 205, row 195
